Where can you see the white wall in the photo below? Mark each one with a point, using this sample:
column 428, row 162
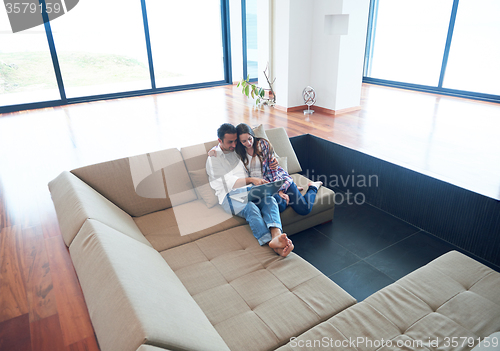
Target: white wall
column 300, row 49
column 319, row 43
column 325, row 57
column 352, row 53
column 265, row 43
column 280, row 50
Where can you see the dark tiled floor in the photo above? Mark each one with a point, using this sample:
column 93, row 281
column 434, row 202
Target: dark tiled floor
column 365, row 249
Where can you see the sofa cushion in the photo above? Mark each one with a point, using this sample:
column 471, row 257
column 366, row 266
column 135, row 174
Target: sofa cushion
column 325, row 201
column 175, row 226
column 75, row 202
column 200, row 181
column 134, row 297
column 195, row 156
column 255, row 298
column 181, row 224
column 141, row 184
column 283, row 147
column 283, row 162
column 447, row 298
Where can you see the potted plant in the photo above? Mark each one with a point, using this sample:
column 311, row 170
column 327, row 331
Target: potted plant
column 258, row 93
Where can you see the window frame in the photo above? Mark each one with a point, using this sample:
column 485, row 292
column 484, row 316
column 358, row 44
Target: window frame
column 370, row 37
column 226, row 48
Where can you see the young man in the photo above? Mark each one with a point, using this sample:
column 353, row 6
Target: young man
column 227, row 176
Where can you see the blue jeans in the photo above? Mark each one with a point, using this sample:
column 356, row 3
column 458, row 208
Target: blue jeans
column 301, row 204
column 260, row 215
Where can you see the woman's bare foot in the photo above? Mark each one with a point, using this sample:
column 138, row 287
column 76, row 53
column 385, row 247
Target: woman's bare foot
column 279, row 242
column 286, row 250
column 315, row 184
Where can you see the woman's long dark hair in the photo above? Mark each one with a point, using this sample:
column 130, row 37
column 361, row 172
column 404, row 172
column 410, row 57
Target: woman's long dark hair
column 244, row 128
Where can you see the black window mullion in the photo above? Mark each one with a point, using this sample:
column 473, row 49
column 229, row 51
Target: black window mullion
column 148, row 44
column 370, row 37
column 244, row 37
column 53, row 53
column 449, row 38
column 226, row 41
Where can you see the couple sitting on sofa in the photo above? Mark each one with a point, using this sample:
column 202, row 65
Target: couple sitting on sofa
column 241, row 159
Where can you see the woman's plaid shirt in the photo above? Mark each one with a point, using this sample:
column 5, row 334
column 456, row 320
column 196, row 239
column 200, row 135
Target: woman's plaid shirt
column 269, row 174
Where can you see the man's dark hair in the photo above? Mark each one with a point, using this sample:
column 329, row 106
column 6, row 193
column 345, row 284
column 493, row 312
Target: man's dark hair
column 226, row 128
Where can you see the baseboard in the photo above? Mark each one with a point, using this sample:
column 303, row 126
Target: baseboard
column 291, row 109
column 335, row 112
column 318, row 109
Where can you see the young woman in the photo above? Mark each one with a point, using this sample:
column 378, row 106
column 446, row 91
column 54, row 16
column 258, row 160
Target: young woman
column 256, row 154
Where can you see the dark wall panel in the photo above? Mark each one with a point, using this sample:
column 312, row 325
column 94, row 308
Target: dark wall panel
column 464, row 218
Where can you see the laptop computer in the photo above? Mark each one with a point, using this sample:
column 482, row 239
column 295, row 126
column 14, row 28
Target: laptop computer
column 255, row 193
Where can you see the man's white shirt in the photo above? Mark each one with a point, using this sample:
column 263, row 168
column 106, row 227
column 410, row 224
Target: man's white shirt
column 223, row 171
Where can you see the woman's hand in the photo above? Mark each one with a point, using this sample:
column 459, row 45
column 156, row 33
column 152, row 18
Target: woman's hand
column 284, row 196
column 274, row 163
column 212, row 152
column 257, row 181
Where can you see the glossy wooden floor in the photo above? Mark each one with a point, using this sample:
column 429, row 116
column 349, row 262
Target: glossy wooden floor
column 41, row 303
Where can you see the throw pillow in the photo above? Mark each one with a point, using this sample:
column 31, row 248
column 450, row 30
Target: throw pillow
column 260, row 132
column 203, row 188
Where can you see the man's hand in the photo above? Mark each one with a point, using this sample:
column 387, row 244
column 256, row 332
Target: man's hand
column 274, row 163
column 256, row 181
column 284, row 196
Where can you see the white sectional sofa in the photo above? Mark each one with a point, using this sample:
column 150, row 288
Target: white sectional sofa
column 163, row 267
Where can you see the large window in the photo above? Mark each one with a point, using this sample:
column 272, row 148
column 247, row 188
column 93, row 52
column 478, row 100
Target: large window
column 251, row 53
column 186, row 41
column 474, row 62
column 103, row 49
column 446, row 46
column 409, row 40
column 26, row 70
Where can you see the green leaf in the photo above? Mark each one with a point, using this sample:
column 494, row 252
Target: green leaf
column 258, row 101
column 247, row 90
column 261, row 92
column 253, row 95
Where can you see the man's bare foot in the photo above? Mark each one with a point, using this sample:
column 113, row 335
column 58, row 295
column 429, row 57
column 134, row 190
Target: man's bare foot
column 315, row 184
column 300, row 188
column 279, row 242
column 286, row 250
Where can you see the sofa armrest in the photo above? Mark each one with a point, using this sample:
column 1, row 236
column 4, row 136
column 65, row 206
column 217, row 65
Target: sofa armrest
column 75, row 202
column 134, row 297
